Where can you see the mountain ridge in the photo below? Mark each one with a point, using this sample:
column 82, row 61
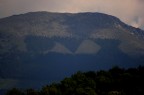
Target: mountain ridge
column 49, row 46
column 66, row 25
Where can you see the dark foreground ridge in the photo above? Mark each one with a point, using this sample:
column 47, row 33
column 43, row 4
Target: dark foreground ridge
column 116, row 81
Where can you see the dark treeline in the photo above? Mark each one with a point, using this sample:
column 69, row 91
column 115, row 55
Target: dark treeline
column 116, row 81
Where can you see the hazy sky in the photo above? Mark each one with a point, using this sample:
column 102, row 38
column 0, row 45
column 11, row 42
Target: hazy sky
column 129, row 11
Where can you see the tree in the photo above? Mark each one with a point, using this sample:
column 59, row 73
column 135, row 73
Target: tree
column 31, row 92
column 50, row 90
column 68, row 85
column 45, row 90
column 14, row 91
column 85, row 91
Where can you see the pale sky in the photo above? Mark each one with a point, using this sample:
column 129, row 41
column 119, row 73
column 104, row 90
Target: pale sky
column 129, row 11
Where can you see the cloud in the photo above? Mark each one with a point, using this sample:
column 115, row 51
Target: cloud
column 128, row 11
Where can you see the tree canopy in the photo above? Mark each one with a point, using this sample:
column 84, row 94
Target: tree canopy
column 116, row 81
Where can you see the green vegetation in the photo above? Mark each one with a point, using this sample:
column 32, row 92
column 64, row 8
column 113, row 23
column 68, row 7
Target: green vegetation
column 115, row 81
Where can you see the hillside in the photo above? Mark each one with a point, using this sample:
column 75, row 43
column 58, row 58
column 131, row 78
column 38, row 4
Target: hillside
column 36, row 44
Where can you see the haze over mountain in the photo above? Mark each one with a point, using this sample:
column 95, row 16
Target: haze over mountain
column 39, row 47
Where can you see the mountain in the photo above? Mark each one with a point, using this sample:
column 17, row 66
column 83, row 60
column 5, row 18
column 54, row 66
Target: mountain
column 37, row 48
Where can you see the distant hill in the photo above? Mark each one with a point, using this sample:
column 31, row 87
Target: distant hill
column 41, row 47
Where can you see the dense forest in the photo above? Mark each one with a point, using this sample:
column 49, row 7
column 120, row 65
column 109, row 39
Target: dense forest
column 116, row 81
